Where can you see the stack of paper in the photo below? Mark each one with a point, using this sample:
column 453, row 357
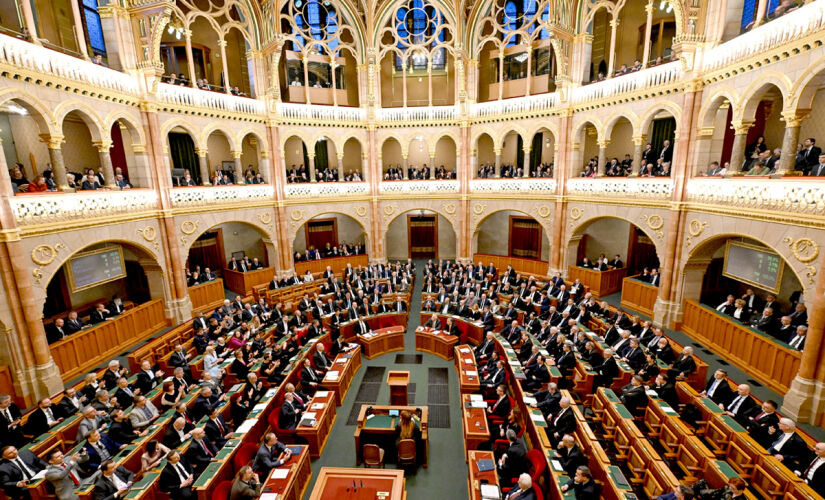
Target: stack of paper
column 469, row 361
column 322, row 394
column 317, row 406
column 490, row 492
column 530, row 401
column 464, row 350
column 478, row 404
column 246, row 426
column 476, row 397
column 471, row 373
column 537, row 417
column 332, row 375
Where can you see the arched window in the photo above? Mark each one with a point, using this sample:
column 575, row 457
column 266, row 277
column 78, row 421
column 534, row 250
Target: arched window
column 421, row 25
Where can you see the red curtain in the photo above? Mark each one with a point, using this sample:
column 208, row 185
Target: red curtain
column 422, row 237
column 204, row 253
column 321, row 233
column 117, row 152
column 525, row 238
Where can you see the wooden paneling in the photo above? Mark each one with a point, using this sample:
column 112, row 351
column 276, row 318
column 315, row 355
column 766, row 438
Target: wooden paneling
column 770, row 361
column 523, row 266
column 639, row 296
column 338, row 264
column 83, row 350
column 207, row 296
column 601, row 283
column 7, row 386
column 244, row 283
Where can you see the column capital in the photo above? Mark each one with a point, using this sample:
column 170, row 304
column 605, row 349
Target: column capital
column 138, row 149
column 201, row 152
column 264, row 155
column 236, row 154
column 614, row 23
column 497, row 151
column 527, row 149
column 340, row 156
column 222, row 43
column 603, row 143
column 103, row 146
column 741, row 127
column 639, row 140
column 311, row 156
column 52, row 141
column 794, row 118
column 649, row 7
column 405, row 155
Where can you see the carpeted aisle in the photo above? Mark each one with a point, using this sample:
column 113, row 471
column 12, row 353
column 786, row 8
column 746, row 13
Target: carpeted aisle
column 433, row 383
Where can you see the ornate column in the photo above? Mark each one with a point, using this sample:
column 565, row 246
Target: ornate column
column 614, row 25
column 500, row 74
column 226, row 84
column 638, row 143
column 497, row 151
column 602, row 156
column 472, row 79
column 265, row 167
column 432, row 166
column 529, row 67
column 576, row 159
column 140, row 176
column 103, row 148
column 340, row 157
column 526, row 151
column 365, row 167
column 737, row 156
column 236, row 159
column 305, row 61
column 190, row 63
column 430, row 83
column 78, row 30
column 761, row 9
column 404, row 164
column 473, row 164
column 311, row 157
column 789, row 141
column 56, row 158
column 28, row 19
column 560, row 175
column 203, row 163
column 648, row 30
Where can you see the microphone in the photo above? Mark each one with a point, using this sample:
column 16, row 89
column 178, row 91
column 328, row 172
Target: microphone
column 354, row 486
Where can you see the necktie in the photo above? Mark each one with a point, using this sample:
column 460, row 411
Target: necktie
column 49, row 415
column 102, row 451
column 181, row 472
column 27, row 473
column 796, row 341
column 779, row 442
column 72, row 476
column 146, row 412
column 735, row 406
column 813, row 464
column 713, row 387
column 218, row 423
column 203, row 445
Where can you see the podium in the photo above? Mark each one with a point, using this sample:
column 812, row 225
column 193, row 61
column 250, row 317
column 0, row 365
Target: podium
column 398, row 381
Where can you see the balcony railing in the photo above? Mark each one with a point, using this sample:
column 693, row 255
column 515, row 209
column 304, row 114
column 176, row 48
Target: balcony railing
column 793, row 26
column 526, row 186
column 220, row 195
column 295, row 111
column 518, row 105
column 615, row 187
column 179, row 95
column 649, row 78
column 32, row 209
column 416, row 114
column 419, row 187
column 796, row 195
column 22, row 54
column 326, row 189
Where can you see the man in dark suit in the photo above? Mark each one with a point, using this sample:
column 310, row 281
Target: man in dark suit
column 43, row 418
column 176, row 434
column 667, row 152
column 205, row 403
column 607, row 371
column 216, row 428
column 740, row 405
column 665, row 390
column 201, row 451
column 177, row 477
column 70, row 403
column 523, row 490
column 582, row 484
column 147, row 379
column 122, row 430
column 56, row 331
column 514, row 462
column 271, row 454
column 548, row 400
column 765, row 322
column 808, row 157
column 563, row 422
column 813, row 472
column 570, row 456
column 634, row 396
column 634, row 356
column 74, row 323
column 290, row 414
column 788, row 447
column 717, row 388
column 99, row 315
column 761, row 421
column 113, row 482
column 100, row 448
column 648, row 156
column 18, row 467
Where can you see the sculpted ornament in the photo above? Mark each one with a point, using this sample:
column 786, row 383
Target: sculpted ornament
column 804, row 249
column 543, row 211
column 43, row 255
column 654, row 222
column 188, row 227
column 695, row 228
column 361, row 211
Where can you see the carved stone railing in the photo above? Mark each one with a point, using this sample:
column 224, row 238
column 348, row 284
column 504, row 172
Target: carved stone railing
column 416, row 114
column 515, row 106
column 28, row 56
column 328, row 114
column 326, row 189
column 800, row 196
column 50, row 208
column 649, row 78
column 793, row 26
column 179, row 95
column 519, row 186
column 418, row 187
column 613, row 187
column 220, row 195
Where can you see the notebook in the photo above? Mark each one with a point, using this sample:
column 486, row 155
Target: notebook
column 485, row 464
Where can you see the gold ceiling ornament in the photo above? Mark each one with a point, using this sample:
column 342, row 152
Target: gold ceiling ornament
column 389, row 210
column 654, row 222
column 695, row 227
column 478, row 209
column 804, row 249
column 544, row 211
column 149, row 233
column 450, row 208
column 297, row 214
column 811, row 274
column 43, row 255
column 188, row 227
column 265, row 218
column 576, row 213
column 361, row 211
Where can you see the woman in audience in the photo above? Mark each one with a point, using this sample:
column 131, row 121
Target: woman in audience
column 512, row 422
column 211, row 362
column 308, row 277
column 38, row 186
column 170, row 396
column 18, row 177
column 239, row 366
column 152, row 456
column 407, row 428
column 238, row 408
column 651, row 368
column 740, row 312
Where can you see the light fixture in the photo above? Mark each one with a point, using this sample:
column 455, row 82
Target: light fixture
column 521, row 57
column 20, row 110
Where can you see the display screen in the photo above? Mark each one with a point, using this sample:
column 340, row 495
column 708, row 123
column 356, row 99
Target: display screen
column 96, row 267
column 754, row 265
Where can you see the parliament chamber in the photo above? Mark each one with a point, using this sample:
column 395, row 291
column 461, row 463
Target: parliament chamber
column 412, row 249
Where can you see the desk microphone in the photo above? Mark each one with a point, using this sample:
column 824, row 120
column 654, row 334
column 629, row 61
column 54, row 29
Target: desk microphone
column 354, row 486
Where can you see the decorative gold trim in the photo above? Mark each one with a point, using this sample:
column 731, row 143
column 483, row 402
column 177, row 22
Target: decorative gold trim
column 543, row 211
column 265, row 218
column 188, row 227
column 43, row 255
column 361, row 211
column 576, row 213
column 804, row 249
column 654, row 222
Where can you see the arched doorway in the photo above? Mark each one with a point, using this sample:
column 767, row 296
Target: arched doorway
column 296, row 160
column 611, row 236
column 20, row 125
column 80, row 153
column 420, row 234
column 542, row 153
column 391, row 157
column 484, row 157
column 325, row 232
column 512, row 233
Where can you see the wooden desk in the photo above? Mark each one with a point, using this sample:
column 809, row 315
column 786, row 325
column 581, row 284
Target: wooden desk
column 207, row 296
column 476, row 478
column 465, row 365
column 387, row 340
column 336, row 482
column 337, row 264
column 769, row 360
column 323, row 406
column 476, row 428
column 81, row 351
column 295, row 484
column 639, row 296
column 376, row 322
column 347, row 365
column 244, row 283
column 381, row 429
column 532, row 267
column 435, row 342
column 601, row 283
column 398, row 382
column 471, row 331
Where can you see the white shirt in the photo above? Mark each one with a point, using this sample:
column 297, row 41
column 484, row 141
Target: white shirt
column 816, row 464
column 779, row 443
column 182, row 474
column 119, row 484
column 713, row 387
column 796, row 341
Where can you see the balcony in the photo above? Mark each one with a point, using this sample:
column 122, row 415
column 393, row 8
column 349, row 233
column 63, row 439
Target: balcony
column 221, row 195
column 646, row 79
column 794, row 195
column 41, row 61
column 178, row 95
column 515, row 106
column 618, row 187
column 326, row 190
column 52, row 208
column 418, row 187
column 401, row 116
column 307, row 112
column 513, row 186
column 788, row 28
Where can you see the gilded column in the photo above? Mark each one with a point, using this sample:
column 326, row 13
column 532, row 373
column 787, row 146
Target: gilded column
column 311, row 157
column 103, row 148
column 526, row 151
column 473, row 164
column 236, row 159
column 203, row 164
column 648, row 30
column 404, row 164
column 432, row 165
column 340, row 158
column 226, row 85
column 54, row 143
column 497, row 151
column 190, row 63
column 365, row 168
column 638, row 143
column 614, row 25
column 789, row 143
column 737, row 156
column 602, row 157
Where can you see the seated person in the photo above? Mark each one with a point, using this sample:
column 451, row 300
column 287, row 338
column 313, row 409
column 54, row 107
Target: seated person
column 634, row 396
column 290, row 413
column 407, row 428
column 513, row 463
column 271, row 454
column 570, row 455
column 177, row 477
column 582, row 484
column 523, row 490
column 787, row 447
column 501, row 407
